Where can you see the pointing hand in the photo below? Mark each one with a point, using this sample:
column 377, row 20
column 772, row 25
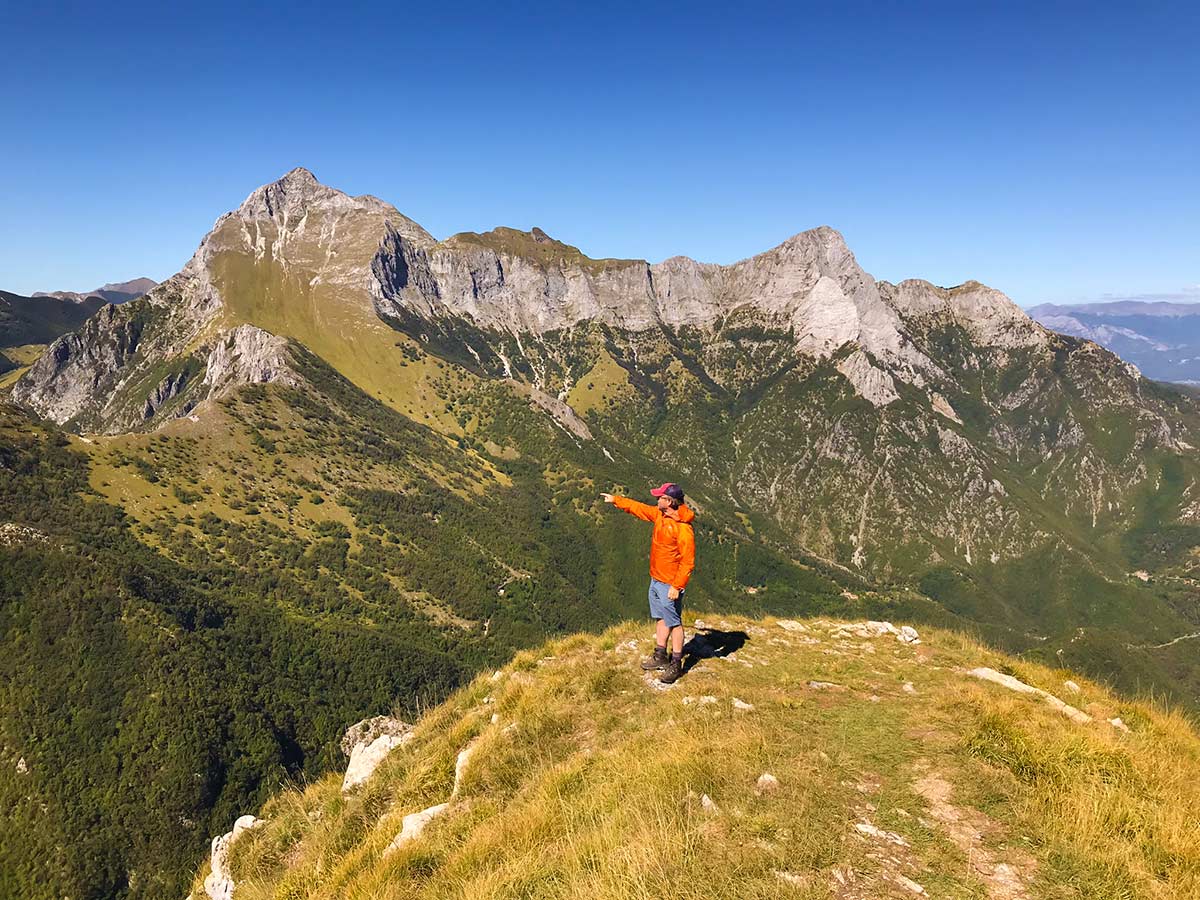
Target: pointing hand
column 607, row 498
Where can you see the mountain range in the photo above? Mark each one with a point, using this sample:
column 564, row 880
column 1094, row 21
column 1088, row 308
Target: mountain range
column 336, row 464
column 114, row 292
column 1162, row 339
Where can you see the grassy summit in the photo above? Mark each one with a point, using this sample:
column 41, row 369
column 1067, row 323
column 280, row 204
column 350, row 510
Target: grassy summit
column 537, row 246
column 893, row 773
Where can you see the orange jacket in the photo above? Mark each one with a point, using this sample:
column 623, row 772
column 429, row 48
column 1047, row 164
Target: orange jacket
column 672, row 546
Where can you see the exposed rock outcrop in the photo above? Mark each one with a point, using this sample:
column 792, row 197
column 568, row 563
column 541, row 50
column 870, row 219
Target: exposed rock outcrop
column 871, row 383
column 219, row 884
column 413, row 824
column 368, row 743
column 247, row 355
column 12, row 534
column 1015, row 684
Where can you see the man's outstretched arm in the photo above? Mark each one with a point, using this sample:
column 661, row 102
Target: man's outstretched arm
column 641, row 510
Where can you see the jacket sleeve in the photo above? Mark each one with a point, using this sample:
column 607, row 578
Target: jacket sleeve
column 641, row 510
column 687, row 557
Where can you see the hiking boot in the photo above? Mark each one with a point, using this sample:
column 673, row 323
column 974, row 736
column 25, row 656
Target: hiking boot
column 656, row 660
column 672, row 671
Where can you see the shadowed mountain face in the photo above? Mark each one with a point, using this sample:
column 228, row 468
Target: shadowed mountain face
column 1161, row 339
column 28, row 323
column 40, row 319
column 331, row 424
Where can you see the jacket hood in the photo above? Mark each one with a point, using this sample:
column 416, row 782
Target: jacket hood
column 685, row 513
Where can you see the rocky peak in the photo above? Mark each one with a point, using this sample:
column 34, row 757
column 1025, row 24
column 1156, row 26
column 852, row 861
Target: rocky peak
column 289, row 200
column 136, row 286
column 291, row 193
column 989, row 316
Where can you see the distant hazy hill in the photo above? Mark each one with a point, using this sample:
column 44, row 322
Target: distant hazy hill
column 113, row 292
column 1162, row 339
column 39, row 320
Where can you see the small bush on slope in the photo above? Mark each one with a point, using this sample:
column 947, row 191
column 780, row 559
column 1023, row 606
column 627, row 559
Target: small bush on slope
column 589, row 782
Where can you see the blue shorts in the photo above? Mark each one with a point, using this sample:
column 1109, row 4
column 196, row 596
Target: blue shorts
column 661, row 607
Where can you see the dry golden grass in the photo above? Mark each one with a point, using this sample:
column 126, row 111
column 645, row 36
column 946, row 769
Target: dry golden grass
column 588, row 784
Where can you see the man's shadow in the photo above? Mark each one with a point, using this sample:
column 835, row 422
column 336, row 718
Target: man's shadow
column 708, row 642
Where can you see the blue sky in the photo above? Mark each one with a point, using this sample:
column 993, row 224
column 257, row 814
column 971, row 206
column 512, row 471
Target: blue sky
column 1048, row 149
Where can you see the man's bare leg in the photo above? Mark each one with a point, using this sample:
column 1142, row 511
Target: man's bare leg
column 676, row 639
column 660, row 657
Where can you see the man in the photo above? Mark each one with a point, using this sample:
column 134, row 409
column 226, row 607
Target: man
column 672, row 559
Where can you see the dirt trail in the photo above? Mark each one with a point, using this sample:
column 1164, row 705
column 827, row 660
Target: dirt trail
column 967, row 828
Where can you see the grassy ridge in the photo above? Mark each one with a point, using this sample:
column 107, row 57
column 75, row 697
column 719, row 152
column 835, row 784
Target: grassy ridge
column 586, row 782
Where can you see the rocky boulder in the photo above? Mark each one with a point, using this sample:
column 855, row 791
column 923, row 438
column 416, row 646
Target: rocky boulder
column 368, row 743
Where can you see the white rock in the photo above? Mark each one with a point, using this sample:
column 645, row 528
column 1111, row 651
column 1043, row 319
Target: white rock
column 365, row 758
column 870, row 382
column 871, row 831
column 367, row 730
column 825, row 686
column 709, row 804
column 909, row 688
column 22, row 766
column 907, row 883
column 1014, row 684
column 699, row 701
column 908, row 635
column 790, row 878
column 247, row 355
column 742, row 705
column 767, row 783
column 1071, row 686
column 942, row 406
column 413, row 824
column 872, row 630
column 218, row 883
column 792, row 625
column 460, row 767
column 1118, row 724
column 12, row 534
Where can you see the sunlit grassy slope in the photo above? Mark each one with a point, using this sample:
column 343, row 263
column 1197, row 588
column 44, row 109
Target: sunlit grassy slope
column 20, row 358
column 899, row 775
